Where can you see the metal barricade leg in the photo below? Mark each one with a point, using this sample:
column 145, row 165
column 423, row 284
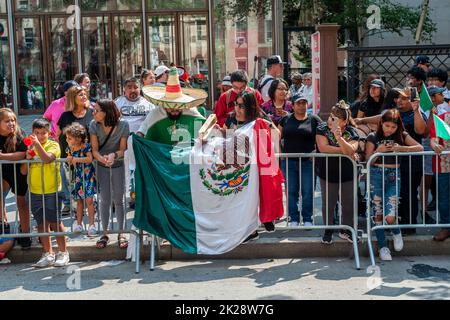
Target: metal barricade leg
column 138, row 250
column 152, row 253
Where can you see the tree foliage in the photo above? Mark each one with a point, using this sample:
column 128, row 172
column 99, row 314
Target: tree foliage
column 350, row 14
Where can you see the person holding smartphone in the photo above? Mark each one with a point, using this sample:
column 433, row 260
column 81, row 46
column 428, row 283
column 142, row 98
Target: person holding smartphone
column 337, row 136
column 384, row 183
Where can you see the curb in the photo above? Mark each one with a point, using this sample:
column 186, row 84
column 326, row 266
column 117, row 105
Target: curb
column 267, row 247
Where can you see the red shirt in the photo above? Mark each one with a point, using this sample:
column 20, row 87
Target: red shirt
column 222, row 111
column 443, row 162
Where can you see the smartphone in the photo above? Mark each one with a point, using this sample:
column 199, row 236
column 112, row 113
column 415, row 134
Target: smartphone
column 389, row 143
column 334, row 122
column 413, row 94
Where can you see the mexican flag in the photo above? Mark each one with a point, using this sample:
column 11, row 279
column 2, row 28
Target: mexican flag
column 425, row 100
column 442, row 128
column 208, row 198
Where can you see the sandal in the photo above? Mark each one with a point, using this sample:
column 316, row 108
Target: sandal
column 123, row 243
column 102, row 242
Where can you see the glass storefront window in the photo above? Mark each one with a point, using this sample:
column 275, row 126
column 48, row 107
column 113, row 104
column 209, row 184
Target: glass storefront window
column 127, row 48
column 177, row 4
column 97, row 58
column 3, row 6
column 237, row 45
column 89, row 5
column 194, row 46
column 161, row 33
column 44, row 5
column 29, row 64
column 5, row 66
column 63, row 61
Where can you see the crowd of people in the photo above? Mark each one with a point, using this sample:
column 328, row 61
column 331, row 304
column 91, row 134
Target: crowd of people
column 83, row 131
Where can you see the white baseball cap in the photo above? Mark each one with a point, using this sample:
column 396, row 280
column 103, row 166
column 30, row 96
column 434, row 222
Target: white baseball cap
column 161, row 70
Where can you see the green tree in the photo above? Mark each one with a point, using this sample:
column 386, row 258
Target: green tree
column 350, row 14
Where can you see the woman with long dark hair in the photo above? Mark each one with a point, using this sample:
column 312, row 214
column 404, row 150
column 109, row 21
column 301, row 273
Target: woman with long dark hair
column 385, row 174
column 109, row 134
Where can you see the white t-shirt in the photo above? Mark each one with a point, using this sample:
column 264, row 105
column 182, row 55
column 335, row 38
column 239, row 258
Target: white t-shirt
column 134, row 112
column 307, row 92
column 265, row 90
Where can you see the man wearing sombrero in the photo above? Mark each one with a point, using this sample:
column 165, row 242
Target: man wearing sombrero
column 177, row 110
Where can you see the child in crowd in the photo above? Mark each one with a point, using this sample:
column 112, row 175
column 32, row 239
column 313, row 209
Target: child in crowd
column 85, row 185
column 385, row 174
column 6, row 244
column 45, row 183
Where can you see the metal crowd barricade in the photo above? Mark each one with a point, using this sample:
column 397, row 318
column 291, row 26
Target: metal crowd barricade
column 327, row 225
column 15, row 233
column 372, row 227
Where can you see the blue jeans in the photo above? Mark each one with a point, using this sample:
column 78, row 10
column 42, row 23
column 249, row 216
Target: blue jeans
column 65, row 193
column 390, row 204
column 299, row 184
column 443, row 197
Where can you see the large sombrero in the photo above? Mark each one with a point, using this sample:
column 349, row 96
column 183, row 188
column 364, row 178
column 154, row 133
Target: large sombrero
column 173, row 96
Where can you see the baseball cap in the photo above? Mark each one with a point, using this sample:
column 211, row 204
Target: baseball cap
column 422, row 59
column 296, row 76
column 432, row 90
column 276, row 59
column 406, row 92
column 298, row 97
column 69, row 84
column 377, row 83
column 161, row 70
column 226, row 81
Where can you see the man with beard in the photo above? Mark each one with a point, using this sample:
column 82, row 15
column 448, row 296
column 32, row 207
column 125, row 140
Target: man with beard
column 176, row 120
column 134, row 108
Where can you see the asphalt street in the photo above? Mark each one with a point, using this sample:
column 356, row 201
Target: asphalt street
column 284, row 279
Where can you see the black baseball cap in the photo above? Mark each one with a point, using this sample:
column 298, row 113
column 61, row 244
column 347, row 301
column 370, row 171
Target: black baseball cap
column 422, row 59
column 276, row 59
column 69, row 84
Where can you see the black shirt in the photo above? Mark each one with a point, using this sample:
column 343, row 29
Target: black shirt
column 370, row 107
column 67, row 118
column 299, row 135
column 408, row 123
column 20, row 147
column 376, row 140
column 344, row 166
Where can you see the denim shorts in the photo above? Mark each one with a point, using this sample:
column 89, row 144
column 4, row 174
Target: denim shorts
column 52, row 208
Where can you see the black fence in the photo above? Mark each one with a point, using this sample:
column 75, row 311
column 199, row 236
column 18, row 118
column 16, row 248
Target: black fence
column 391, row 63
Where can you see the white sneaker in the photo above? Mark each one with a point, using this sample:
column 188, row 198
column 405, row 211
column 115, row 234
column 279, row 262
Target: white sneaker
column 293, row 224
column 398, row 242
column 92, row 231
column 47, row 260
column 308, row 224
column 77, row 227
column 62, row 259
column 385, row 254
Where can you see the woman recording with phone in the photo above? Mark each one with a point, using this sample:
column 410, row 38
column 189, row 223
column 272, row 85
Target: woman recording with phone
column 385, row 175
column 337, row 136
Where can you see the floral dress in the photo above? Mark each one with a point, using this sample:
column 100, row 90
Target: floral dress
column 83, row 187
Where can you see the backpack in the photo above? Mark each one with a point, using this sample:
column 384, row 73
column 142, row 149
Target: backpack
column 262, row 85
